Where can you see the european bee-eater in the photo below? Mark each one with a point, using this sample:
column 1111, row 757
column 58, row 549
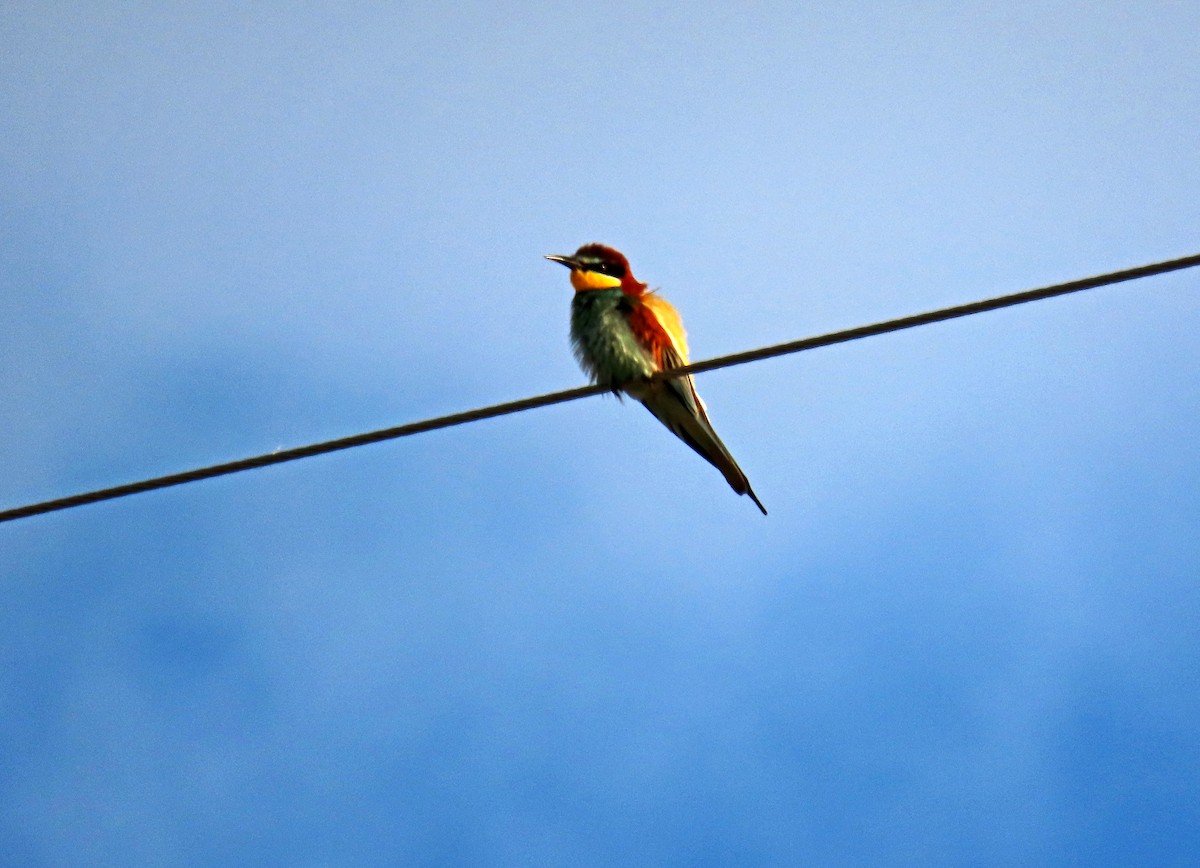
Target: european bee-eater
column 623, row 333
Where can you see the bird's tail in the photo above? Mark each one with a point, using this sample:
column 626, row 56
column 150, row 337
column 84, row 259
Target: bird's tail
column 676, row 404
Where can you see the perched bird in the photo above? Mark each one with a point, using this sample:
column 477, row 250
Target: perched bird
column 622, row 334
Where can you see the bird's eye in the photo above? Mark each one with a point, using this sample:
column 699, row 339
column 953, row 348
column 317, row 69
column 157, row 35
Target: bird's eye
column 603, row 266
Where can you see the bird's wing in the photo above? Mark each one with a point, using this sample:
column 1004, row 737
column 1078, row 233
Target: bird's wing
column 675, row 402
column 660, row 324
column 668, row 346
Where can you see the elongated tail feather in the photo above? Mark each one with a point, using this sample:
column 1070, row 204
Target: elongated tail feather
column 676, row 405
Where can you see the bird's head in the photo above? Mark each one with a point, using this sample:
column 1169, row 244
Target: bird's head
column 594, row 266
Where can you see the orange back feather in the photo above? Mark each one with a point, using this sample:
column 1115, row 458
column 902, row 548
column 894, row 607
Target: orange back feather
column 657, row 326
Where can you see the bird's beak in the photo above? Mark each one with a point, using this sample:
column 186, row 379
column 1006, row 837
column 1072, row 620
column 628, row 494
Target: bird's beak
column 568, row 261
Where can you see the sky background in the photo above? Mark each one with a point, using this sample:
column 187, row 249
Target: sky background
column 967, row 633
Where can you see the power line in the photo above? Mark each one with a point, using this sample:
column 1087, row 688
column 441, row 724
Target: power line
column 742, row 358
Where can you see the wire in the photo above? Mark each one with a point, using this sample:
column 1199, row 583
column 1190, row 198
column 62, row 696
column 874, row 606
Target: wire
column 742, row 358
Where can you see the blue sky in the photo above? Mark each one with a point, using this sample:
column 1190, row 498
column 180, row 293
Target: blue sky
column 966, row 633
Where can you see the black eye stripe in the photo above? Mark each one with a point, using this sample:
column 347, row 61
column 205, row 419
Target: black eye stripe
column 603, row 266
column 613, row 269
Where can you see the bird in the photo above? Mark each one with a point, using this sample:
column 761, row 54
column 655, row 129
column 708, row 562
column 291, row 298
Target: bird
column 623, row 333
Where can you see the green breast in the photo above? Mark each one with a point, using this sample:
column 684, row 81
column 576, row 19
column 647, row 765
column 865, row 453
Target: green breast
column 603, row 342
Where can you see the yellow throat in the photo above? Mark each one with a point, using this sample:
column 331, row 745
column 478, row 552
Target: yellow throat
column 585, row 280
